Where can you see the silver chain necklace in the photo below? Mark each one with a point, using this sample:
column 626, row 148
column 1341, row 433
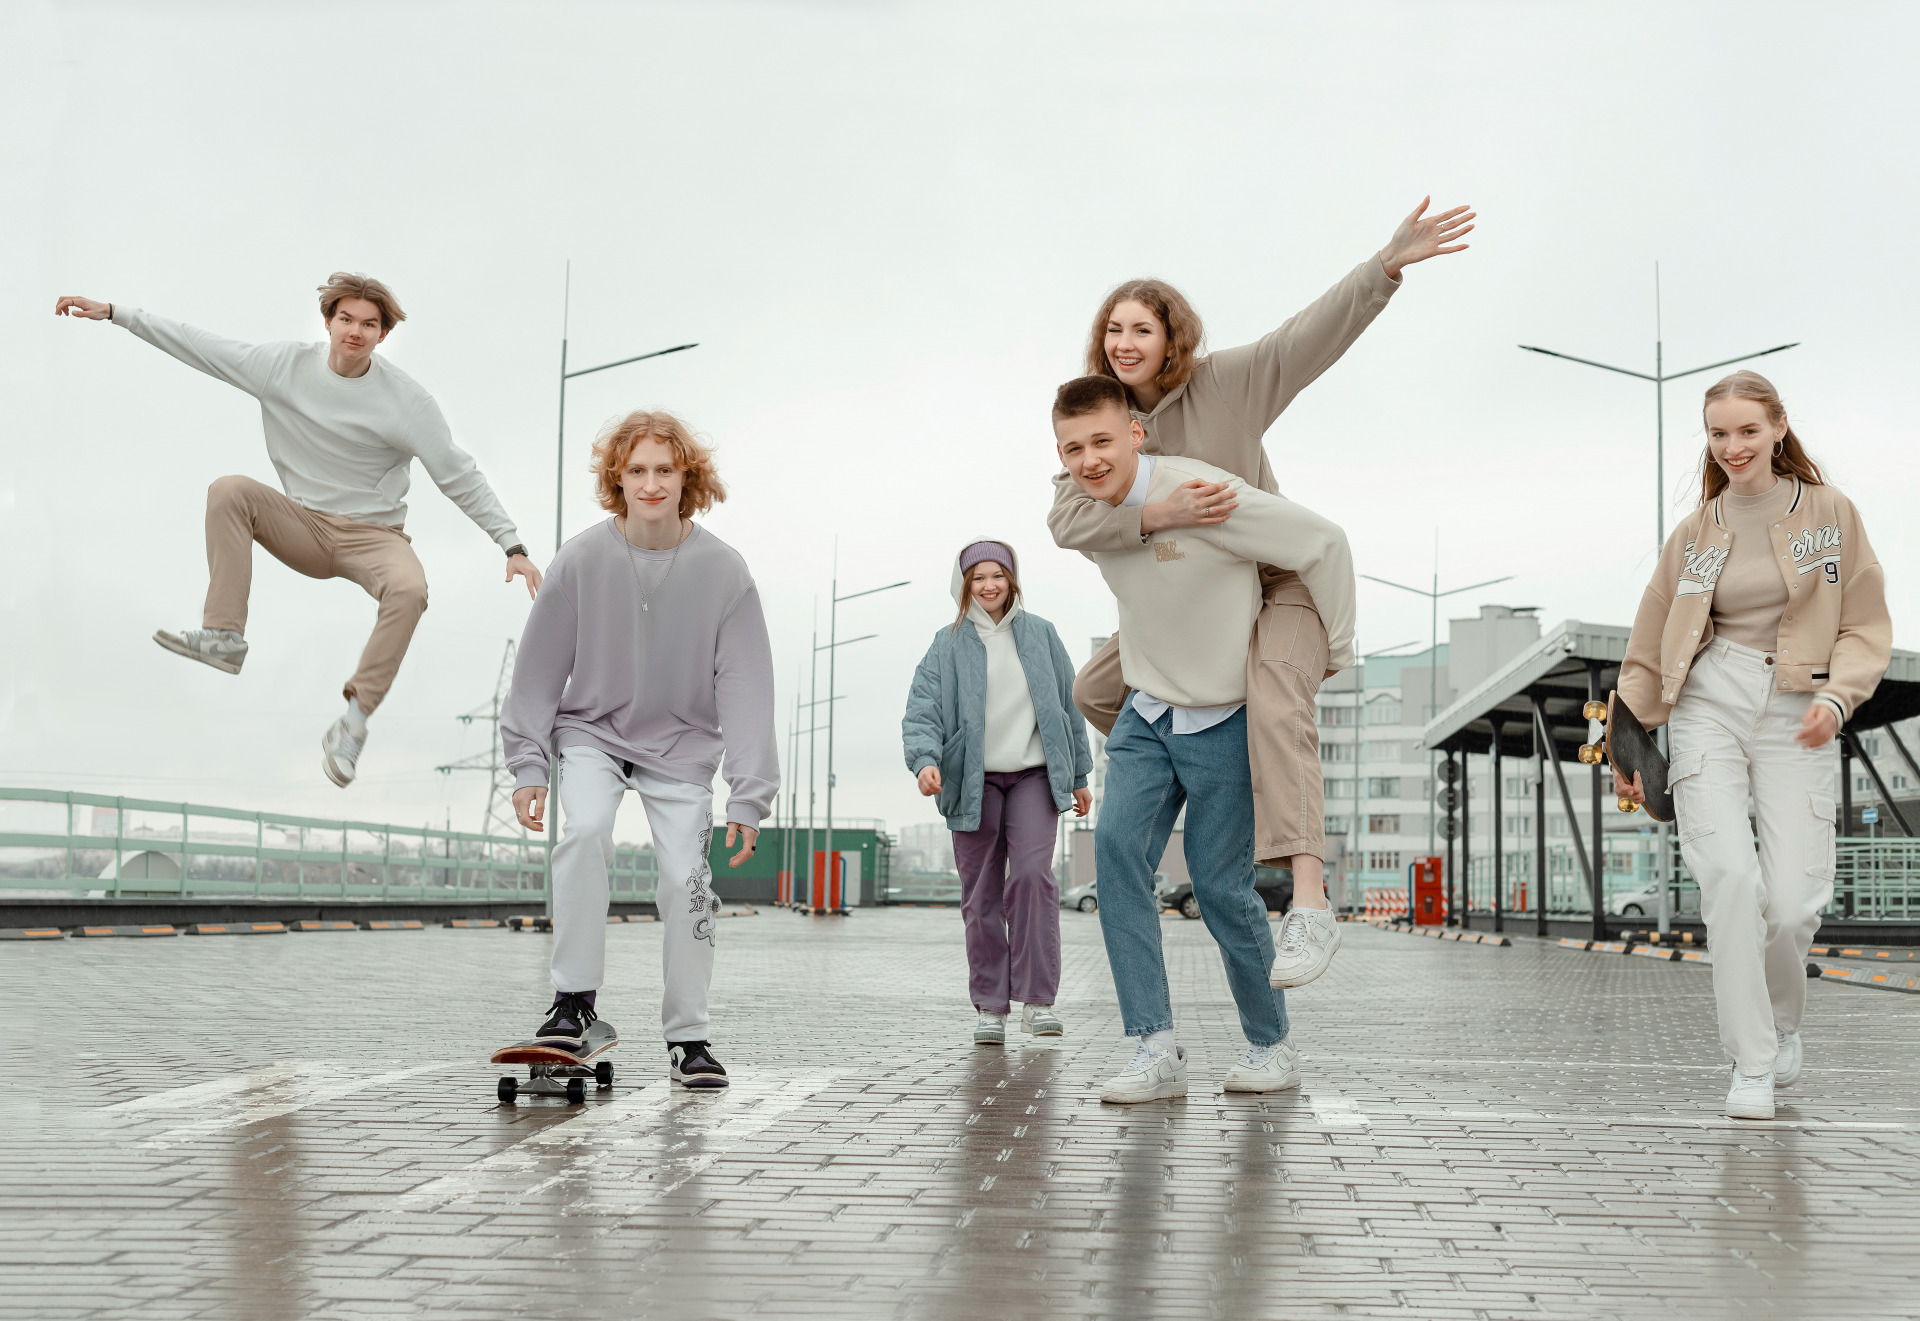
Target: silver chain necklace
column 633, row 563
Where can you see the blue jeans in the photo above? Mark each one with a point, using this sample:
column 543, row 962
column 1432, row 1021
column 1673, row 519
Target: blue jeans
column 1151, row 772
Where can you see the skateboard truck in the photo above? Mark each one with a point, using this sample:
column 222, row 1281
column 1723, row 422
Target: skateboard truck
column 554, row 1069
column 1627, row 747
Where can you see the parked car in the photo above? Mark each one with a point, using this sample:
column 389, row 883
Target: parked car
column 1645, row 901
column 1274, row 885
column 1083, row 897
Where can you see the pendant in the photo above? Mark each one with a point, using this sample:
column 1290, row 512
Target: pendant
column 643, row 605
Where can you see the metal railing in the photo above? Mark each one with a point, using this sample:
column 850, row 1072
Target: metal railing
column 1876, row 880
column 137, row 847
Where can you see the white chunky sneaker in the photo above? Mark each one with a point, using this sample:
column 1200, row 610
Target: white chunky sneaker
column 1750, row 1098
column 1041, row 1021
column 990, row 1029
column 1272, row 1069
column 1308, row 939
column 1152, row 1075
column 340, row 753
column 1786, row 1065
column 221, row 648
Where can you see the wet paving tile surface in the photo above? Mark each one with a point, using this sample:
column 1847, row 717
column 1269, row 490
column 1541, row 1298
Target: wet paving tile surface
column 305, row 1126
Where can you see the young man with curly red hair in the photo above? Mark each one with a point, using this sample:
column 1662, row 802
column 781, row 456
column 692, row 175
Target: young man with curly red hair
column 343, row 426
column 645, row 659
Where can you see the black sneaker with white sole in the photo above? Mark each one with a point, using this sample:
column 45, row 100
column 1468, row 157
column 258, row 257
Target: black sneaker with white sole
column 694, row 1065
column 567, row 1023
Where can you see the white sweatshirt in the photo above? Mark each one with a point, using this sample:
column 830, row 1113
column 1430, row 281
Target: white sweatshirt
column 342, row 445
column 1188, row 598
column 1013, row 734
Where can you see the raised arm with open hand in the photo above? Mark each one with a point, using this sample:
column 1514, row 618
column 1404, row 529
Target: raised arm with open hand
column 89, row 308
column 1421, row 236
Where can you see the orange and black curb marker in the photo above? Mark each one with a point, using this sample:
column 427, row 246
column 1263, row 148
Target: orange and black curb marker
column 464, row 922
column 32, row 933
column 1866, row 952
column 537, row 922
column 1664, row 953
column 1441, row 933
column 321, row 926
column 136, row 931
column 411, row 924
column 1888, row 979
column 237, row 929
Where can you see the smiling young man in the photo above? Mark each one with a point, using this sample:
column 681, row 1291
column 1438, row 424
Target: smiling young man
column 644, row 661
column 1187, row 603
column 343, row 426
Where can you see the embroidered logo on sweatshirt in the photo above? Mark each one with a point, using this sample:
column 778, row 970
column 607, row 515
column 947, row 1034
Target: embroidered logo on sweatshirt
column 1166, row 551
column 1702, row 570
column 1816, row 550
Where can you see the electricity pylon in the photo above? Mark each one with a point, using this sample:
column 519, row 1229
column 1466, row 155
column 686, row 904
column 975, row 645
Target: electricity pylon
column 494, row 761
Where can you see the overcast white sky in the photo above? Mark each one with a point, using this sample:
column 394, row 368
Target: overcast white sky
column 888, row 226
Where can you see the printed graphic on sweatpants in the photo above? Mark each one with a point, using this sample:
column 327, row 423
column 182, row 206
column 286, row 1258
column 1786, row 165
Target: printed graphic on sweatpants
column 701, row 902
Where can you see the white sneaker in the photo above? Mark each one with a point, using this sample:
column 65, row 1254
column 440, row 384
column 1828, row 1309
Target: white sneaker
column 1309, row 937
column 1750, row 1098
column 1152, row 1075
column 1786, row 1065
column 1273, row 1069
column 990, row 1029
column 221, row 648
column 1041, row 1021
column 340, row 753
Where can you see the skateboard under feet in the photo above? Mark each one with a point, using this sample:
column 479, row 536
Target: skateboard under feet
column 1628, row 748
column 557, row 1070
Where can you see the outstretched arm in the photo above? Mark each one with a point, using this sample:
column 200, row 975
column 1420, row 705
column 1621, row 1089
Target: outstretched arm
column 1421, row 236
column 88, row 309
column 249, row 367
column 461, row 481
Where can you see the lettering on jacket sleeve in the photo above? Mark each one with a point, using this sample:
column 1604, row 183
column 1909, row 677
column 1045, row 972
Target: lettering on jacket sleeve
column 1702, row 570
column 1814, row 548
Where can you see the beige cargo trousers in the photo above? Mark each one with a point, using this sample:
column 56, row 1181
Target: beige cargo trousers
column 241, row 511
column 1286, row 661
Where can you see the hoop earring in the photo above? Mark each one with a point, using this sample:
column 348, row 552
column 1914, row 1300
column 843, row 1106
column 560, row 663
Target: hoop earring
column 1778, row 445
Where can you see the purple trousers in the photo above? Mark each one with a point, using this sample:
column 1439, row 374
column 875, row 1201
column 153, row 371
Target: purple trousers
column 1008, row 899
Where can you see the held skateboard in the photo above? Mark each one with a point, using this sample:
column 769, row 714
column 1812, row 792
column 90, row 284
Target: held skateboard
column 1628, row 748
column 554, row 1069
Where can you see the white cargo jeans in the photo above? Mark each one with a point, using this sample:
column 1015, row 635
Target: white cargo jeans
column 1732, row 736
column 681, row 816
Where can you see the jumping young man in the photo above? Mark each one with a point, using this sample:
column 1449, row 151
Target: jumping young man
column 644, row 661
column 1187, row 604
column 343, row 426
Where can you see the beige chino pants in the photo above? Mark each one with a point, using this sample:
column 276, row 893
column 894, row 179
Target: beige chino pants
column 1286, row 660
column 241, row 511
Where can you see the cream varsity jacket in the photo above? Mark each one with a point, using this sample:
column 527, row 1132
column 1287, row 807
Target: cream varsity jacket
column 1835, row 636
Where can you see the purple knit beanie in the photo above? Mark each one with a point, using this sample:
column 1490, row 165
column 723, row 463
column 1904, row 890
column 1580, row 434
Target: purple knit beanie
column 981, row 551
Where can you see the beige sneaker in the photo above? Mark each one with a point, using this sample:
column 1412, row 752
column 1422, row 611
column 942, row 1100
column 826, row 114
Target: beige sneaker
column 221, row 648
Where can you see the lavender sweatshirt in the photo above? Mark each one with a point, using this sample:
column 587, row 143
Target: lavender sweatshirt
column 666, row 688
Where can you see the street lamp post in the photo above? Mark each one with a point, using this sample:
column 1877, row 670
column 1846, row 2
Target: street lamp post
column 1433, row 596
column 1660, row 378
column 832, row 647
column 560, row 447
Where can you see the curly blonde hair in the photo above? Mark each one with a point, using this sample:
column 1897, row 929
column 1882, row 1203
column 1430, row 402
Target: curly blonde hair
column 615, row 443
column 1185, row 335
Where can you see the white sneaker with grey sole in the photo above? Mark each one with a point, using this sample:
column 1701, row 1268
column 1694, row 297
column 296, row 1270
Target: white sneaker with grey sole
column 990, row 1029
column 1307, row 942
column 1786, row 1065
column 1273, row 1069
column 1041, row 1021
column 1152, row 1075
column 1750, row 1098
column 340, row 753
column 221, row 648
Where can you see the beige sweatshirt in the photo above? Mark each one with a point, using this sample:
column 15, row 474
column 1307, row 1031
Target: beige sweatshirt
column 1221, row 413
column 1750, row 596
column 1189, row 597
column 1013, row 734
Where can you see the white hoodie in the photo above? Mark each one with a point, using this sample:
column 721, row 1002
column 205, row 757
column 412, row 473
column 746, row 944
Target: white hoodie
column 1012, row 733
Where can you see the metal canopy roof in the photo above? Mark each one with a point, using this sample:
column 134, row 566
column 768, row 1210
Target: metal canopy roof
column 1555, row 669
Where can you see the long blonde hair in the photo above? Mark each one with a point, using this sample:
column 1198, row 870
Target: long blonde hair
column 1789, row 460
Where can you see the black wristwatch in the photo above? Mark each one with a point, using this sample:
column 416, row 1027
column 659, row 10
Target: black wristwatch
column 516, row 549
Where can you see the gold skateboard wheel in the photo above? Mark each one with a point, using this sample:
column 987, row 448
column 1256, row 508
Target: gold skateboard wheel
column 1591, row 754
column 1628, row 805
column 1594, row 710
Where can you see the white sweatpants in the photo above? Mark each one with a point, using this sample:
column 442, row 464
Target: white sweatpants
column 681, row 816
column 1731, row 737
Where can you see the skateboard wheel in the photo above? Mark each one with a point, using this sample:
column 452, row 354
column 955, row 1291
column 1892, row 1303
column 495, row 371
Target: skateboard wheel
column 1591, row 754
column 1627, row 805
column 507, row 1089
column 603, row 1073
column 1594, row 710
column 576, row 1090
